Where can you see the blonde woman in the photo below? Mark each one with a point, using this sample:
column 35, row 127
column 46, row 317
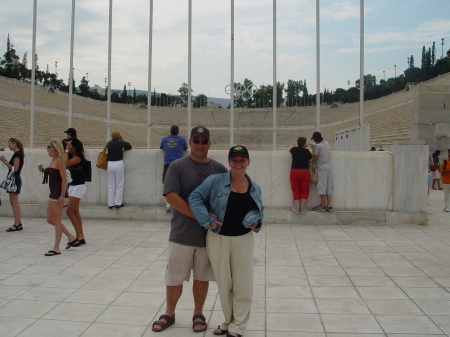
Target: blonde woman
column 15, row 164
column 116, row 171
column 55, row 175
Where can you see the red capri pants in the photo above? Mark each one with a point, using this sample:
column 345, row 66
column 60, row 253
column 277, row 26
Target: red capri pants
column 300, row 179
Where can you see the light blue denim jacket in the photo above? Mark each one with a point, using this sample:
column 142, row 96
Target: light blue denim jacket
column 214, row 192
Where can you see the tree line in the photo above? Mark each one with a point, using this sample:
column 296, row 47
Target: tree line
column 246, row 94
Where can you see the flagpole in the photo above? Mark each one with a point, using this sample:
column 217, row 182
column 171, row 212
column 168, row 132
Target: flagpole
column 149, row 86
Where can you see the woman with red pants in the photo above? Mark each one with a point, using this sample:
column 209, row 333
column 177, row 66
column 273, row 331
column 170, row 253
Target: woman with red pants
column 299, row 175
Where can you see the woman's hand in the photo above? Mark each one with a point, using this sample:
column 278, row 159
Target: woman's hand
column 254, row 225
column 69, row 145
column 61, row 201
column 215, row 224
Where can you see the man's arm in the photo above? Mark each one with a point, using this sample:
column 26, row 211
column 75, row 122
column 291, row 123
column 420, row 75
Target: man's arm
column 179, row 204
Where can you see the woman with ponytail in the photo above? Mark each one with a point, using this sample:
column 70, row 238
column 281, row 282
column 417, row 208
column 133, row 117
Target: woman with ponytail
column 15, row 164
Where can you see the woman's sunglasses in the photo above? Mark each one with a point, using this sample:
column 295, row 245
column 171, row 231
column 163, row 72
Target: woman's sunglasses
column 50, row 147
column 196, row 141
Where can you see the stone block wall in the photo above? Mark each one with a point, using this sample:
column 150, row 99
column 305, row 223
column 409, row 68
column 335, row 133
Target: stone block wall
column 366, row 183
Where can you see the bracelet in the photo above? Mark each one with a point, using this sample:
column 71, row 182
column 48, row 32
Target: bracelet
column 66, row 151
column 62, row 196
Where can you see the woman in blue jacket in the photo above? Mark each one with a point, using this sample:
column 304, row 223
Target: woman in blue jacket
column 230, row 206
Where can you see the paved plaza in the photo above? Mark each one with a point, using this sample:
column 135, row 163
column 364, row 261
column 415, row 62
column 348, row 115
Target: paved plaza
column 310, row 281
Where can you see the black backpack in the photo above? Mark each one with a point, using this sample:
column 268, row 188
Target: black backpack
column 87, row 170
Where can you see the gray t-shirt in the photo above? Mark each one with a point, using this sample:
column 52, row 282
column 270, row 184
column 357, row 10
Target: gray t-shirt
column 323, row 151
column 184, row 176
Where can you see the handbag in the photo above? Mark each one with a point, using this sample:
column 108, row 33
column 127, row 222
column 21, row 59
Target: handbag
column 313, row 173
column 102, row 160
column 9, row 184
column 433, row 168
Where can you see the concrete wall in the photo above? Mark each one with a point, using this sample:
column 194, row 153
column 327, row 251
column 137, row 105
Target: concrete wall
column 364, row 186
column 353, row 139
column 431, row 116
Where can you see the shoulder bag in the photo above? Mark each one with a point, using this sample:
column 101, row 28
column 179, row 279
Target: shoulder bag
column 313, row 173
column 102, row 161
column 9, row 183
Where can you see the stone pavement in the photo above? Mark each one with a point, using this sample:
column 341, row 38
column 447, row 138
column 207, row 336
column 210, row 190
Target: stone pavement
column 310, row 281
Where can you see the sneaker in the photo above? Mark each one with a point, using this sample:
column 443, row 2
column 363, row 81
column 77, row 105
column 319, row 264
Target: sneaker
column 168, row 208
column 446, row 209
column 319, row 209
column 329, row 209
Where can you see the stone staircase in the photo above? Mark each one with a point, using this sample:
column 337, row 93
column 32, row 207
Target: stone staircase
column 389, row 118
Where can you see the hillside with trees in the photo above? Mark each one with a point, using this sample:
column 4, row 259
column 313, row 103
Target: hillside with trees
column 247, row 94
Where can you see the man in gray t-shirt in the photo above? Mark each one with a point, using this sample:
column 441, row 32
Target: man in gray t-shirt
column 322, row 155
column 187, row 239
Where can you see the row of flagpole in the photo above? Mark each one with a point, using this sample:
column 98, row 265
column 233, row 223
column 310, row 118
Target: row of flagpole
column 232, row 89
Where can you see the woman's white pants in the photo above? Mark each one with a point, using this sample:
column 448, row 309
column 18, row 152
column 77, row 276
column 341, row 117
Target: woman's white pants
column 116, row 175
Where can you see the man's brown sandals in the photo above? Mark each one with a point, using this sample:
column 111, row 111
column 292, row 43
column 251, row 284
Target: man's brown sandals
column 163, row 325
column 201, row 322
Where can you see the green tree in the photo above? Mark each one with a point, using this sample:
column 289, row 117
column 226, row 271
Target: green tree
column 124, row 95
column 200, row 100
column 142, row 98
column 339, row 94
column 85, row 90
column 293, row 90
column 352, row 95
column 262, row 97
column 183, row 90
column 24, row 72
column 10, row 62
column 369, row 81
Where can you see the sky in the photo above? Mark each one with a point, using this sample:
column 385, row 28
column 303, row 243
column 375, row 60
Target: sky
column 394, row 30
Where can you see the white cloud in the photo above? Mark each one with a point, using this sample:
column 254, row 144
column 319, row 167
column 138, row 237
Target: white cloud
column 390, row 37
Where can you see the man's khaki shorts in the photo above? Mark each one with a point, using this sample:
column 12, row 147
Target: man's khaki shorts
column 182, row 259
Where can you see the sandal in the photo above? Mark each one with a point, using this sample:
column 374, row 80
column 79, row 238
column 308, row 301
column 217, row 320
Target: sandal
column 203, row 324
column 164, row 325
column 222, row 331
column 51, row 253
column 15, row 228
column 74, row 243
column 237, row 335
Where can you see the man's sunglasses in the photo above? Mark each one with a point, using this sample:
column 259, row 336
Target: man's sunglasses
column 196, row 141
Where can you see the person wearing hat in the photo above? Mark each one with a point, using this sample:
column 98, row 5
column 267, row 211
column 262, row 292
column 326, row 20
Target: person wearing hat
column 322, row 155
column 187, row 240
column 71, row 133
column 229, row 206
column 173, row 146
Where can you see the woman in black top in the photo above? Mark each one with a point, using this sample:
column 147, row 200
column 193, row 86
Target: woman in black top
column 77, row 188
column 230, row 206
column 15, row 164
column 299, row 175
column 116, row 172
